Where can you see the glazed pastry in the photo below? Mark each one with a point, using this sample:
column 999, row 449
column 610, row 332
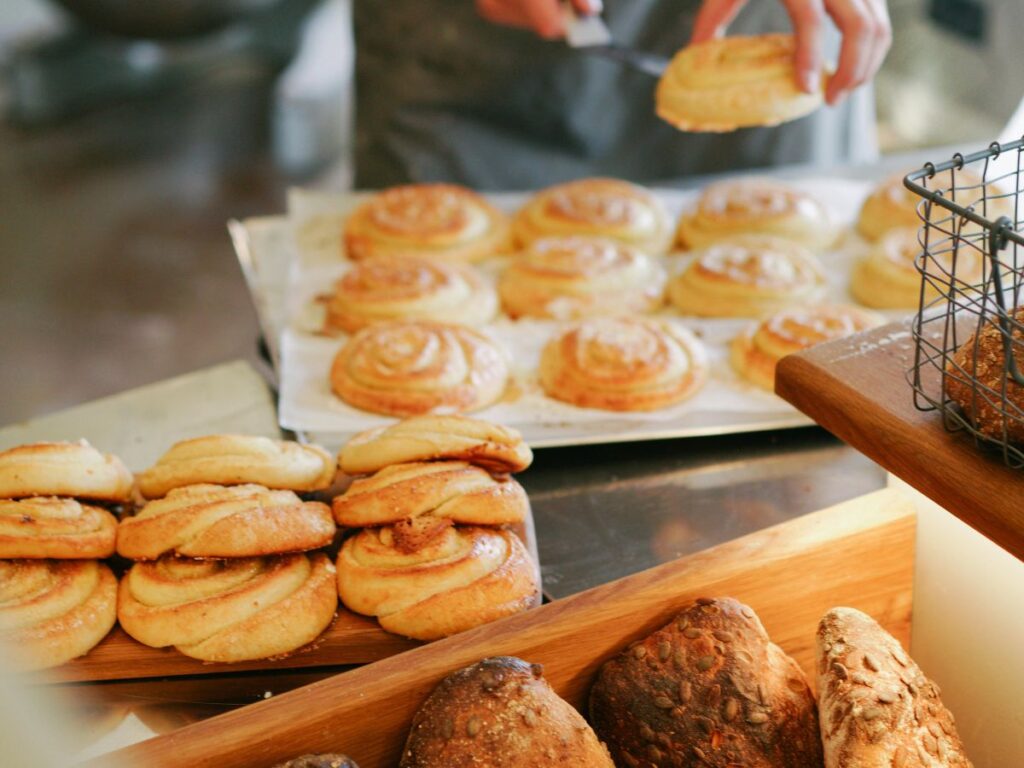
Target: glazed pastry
column 319, row 761
column 406, row 288
column 214, row 521
column 747, row 276
column 755, row 206
column 43, row 527
column 412, row 368
column 878, row 710
column 606, row 208
column 734, row 82
column 53, row 611
column 500, row 713
column 63, row 469
column 425, row 578
column 572, row 277
column 430, row 438
column 237, row 460
column 434, row 221
column 229, row 610
column 708, row 689
column 619, row 364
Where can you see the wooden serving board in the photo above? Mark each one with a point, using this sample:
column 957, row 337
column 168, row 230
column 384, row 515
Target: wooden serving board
column 860, row 553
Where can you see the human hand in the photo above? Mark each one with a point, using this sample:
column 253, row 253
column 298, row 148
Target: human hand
column 542, row 16
column 864, row 24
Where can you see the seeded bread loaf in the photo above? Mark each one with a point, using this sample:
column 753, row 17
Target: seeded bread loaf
column 319, row 761
column 709, row 689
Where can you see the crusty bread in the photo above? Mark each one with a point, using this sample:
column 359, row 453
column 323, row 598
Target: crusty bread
column 319, row 761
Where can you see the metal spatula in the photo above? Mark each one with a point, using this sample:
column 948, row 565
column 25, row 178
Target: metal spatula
column 589, row 34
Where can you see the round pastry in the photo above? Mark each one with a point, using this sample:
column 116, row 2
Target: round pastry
column 606, row 208
column 427, row 579
column 319, row 761
column 41, row 527
column 734, row 82
column 229, row 610
column 407, row 288
column 52, row 611
column 435, row 221
column 571, row 277
column 755, row 352
column 429, row 438
column 214, row 521
column 619, row 364
column 63, row 469
column 411, row 368
column 237, row 460
column 747, row 276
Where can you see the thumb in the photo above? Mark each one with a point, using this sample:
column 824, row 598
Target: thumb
column 713, row 17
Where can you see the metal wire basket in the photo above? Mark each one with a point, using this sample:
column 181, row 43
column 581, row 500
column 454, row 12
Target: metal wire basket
column 968, row 340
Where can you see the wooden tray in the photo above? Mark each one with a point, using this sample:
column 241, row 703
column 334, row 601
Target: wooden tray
column 860, row 553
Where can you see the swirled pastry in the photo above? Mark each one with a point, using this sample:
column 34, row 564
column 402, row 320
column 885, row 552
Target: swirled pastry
column 408, row 288
column 606, row 208
column 237, row 460
column 755, row 206
column 411, row 368
column 755, row 352
column 430, row 438
column 52, row 611
column 214, row 521
column 229, row 610
column 435, row 221
column 619, row 364
column 51, row 527
column 427, row 579
column 571, row 277
column 747, row 276
column 63, row 469
column 734, row 82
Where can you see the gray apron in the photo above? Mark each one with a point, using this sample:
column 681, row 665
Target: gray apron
column 442, row 95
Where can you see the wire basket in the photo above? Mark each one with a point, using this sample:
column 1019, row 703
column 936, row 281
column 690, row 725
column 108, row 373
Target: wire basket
column 968, row 339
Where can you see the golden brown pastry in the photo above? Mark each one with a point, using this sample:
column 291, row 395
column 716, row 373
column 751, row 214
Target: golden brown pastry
column 571, row 277
column 412, row 368
column 430, row 438
column 214, row 521
column 620, row 364
column 708, row 689
column 425, row 578
column 46, row 526
column 755, row 206
column 500, row 713
column 734, row 82
column 606, row 208
column 319, row 761
column 229, row 610
column 63, row 469
column 878, row 710
column 52, row 611
column 435, row 221
column 237, row 460
column 388, row 288
column 747, row 276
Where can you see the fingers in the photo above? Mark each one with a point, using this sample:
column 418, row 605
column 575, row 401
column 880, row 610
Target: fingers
column 867, row 34
column 542, row 16
column 713, row 17
column 588, row 7
column 808, row 17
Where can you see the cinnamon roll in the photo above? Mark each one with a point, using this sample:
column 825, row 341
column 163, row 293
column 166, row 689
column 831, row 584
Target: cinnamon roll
column 43, row 527
column 63, row 469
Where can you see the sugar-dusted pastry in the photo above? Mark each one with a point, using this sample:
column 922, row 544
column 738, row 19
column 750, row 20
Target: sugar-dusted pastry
column 571, row 277
column 412, row 368
column 431, row 438
column 756, row 351
column 229, row 610
column 216, row 521
column 52, row 611
column 409, row 288
column 734, row 82
column 238, row 460
column 747, row 276
column 755, row 206
column 63, row 469
column 623, row 364
column 426, row 578
column 607, row 208
column 435, row 221
column 47, row 526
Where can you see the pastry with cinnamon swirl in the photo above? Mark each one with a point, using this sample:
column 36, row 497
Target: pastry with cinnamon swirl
column 46, row 526
column 63, row 469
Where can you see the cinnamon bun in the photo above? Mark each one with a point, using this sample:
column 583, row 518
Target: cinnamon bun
column 63, row 469
column 45, row 527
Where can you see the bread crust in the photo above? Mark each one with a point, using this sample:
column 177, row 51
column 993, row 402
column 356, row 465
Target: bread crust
column 319, row 761
column 63, row 469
